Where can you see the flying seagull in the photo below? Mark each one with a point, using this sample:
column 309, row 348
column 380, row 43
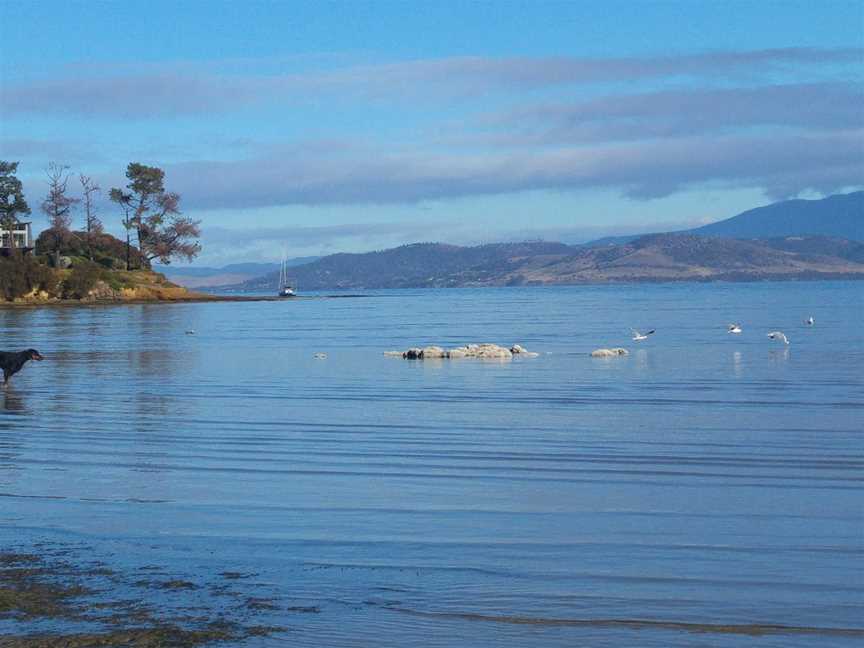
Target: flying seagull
column 810, row 321
column 734, row 328
column 638, row 337
column 777, row 335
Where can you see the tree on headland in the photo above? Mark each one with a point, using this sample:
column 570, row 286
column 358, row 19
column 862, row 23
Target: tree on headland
column 12, row 200
column 124, row 199
column 163, row 232
column 57, row 206
column 92, row 224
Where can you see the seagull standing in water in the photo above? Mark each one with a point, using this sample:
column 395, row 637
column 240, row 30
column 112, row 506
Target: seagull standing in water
column 638, row 337
column 810, row 321
column 777, row 335
column 734, row 328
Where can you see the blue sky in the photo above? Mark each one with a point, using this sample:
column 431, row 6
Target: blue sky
column 309, row 128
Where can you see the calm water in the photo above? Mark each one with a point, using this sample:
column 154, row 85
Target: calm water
column 705, row 479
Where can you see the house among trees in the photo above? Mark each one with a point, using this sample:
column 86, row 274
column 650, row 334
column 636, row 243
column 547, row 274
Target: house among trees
column 19, row 238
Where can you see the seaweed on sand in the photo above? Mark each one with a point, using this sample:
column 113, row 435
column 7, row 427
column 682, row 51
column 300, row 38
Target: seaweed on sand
column 35, row 589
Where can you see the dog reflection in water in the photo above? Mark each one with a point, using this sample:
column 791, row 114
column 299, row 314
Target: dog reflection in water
column 12, row 401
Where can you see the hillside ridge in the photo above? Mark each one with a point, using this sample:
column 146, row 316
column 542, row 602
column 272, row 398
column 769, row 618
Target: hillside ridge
column 654, row 257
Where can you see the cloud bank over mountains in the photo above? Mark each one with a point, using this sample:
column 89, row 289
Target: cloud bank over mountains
column 243, row 135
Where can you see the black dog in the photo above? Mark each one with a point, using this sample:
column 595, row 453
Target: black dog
column 13, row 361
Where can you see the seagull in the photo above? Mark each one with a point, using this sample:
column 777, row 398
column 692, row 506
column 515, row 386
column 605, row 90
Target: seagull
column 810, row 321
column 734, row 328
column 638, row 337
column 320, row 356
column 777, row 335
column 190, row 332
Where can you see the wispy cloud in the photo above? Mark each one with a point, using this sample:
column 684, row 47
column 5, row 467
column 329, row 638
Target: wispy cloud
column 780, row 165
column 487, row 73
column 153, row 93
column 747, row 119
column 677, row 113
column 127, row 97
column 55, row 149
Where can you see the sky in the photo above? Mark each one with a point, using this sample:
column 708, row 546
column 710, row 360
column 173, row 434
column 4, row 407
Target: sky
column 307, row 128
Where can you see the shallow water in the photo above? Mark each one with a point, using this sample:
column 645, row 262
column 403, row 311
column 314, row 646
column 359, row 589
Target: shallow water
column 700, row 490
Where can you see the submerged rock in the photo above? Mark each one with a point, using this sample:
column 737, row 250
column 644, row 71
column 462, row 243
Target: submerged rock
column 609, row 353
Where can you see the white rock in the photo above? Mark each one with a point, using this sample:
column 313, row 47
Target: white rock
column 485, row 350
column 609, row 353
column 431, row 352
column 493, row 351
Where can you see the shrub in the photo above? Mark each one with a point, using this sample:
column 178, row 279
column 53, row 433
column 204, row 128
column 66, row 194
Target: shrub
column 114, row 282
column 107, row 250
column 22, row 275
column 82, row 279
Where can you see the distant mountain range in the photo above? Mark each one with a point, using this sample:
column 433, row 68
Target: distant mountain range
column 840, row 216
column 656, row 257
column 794, row 239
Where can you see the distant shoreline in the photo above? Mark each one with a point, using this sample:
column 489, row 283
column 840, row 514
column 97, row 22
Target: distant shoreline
column 198, row 297
column 191, row 299
column 729, row 278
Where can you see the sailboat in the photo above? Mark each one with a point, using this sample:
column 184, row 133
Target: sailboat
column 285, row 287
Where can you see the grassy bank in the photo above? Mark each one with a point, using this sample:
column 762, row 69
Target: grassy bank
column 28, row 282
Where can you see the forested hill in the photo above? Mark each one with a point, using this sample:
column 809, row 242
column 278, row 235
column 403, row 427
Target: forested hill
column 659, row 257
column 840, row 216
column 420, row 264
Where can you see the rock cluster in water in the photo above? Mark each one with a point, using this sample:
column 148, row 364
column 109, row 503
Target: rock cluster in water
column 485, row 350
column 609, row 353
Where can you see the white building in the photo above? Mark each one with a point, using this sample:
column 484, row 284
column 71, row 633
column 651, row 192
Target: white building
column 20, row 234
